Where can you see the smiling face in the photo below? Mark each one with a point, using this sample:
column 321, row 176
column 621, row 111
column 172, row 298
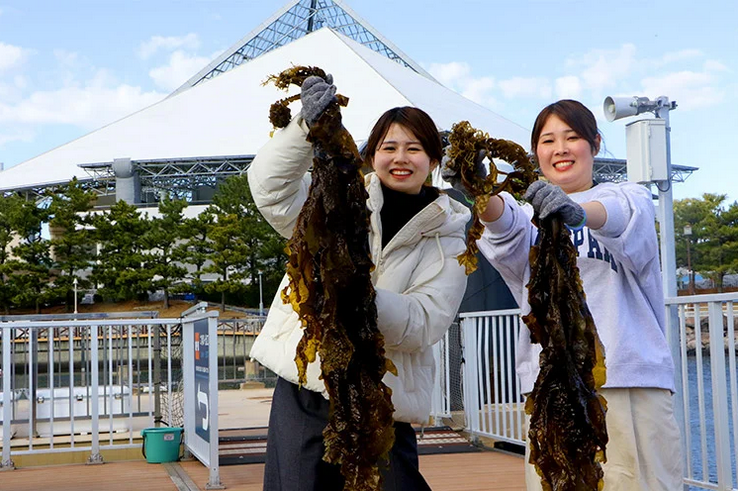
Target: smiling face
column 401, row 162
column 565, row 158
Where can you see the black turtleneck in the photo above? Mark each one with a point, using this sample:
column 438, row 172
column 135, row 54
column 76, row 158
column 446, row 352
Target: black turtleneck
column 399, row 208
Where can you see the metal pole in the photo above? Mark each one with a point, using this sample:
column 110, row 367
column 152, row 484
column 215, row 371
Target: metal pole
column 666, row 216
column 261, row 299
column 668, row 270
column 33, row 376
column 689, row 267
column 688, row 236
column 311, row 18
column 95, row 457
column 157, row 376
column 8, row 335
column 75, row 294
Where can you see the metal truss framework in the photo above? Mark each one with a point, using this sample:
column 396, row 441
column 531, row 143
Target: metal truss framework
column 182, row 178
column 176, row 178
column 294, row 21
column 616, row 170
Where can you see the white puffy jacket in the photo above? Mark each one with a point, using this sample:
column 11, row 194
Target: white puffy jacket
column 418, row 280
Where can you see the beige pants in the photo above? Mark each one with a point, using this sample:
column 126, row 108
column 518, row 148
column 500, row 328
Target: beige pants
column 644, row 448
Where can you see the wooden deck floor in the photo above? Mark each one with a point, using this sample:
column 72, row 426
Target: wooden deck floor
column 484, row 471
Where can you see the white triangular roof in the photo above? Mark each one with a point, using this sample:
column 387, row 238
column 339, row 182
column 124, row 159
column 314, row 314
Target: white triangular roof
column 228, row 115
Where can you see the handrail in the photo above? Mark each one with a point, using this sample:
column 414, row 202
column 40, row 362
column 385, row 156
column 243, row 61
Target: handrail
column 709, row 379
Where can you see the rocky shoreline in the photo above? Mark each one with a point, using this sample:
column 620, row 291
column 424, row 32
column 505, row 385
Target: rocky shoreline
column 705, row 335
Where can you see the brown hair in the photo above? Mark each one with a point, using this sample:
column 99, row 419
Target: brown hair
column 411, row 118
column 573, row 113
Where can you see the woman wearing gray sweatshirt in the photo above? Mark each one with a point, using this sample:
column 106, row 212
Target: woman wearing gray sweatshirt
column 613, row 229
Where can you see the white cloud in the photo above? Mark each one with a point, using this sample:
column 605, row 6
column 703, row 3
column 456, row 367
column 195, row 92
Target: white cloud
column 180, row 68
column 66, row 58
column 6, row 91
column 457, row 77
column 569, row 87
column 526, row 87
column 601, row 69
column 621, row 72
column 16, row 135
column 11, row 56
column 170, row 43
column 690, row 89
column 450, row 74
column 682, row 55
column 714, row 66
column 478, row 90
column 11, row 90
column 90, row 106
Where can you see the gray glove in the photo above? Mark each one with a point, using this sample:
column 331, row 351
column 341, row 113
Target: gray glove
column 548, row 199
column 454, row 178
column 315, row 95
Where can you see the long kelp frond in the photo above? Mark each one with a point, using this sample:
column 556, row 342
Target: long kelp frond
column 567, row 433
column 330, row 288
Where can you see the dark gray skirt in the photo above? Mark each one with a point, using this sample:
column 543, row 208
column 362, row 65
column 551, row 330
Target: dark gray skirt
column 294, row 458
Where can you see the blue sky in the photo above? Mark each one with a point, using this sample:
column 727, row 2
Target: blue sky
column 67, row 68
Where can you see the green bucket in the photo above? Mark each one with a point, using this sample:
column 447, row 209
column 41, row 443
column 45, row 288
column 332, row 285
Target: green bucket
column 161, row 444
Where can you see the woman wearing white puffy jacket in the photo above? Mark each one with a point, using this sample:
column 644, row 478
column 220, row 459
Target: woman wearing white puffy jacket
column 416, row 232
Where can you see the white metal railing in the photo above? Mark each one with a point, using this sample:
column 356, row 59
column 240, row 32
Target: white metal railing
column 493, row 404
column 67, row 384
column 235, row 338
column 441, row 396
column 707, row 394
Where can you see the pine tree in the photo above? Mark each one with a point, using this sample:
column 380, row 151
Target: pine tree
column 10, row 210
column 73, row 250
column 243, row 243
column 228, row 256
column 195, row 248
column 30, row 268
column 162, row 257
column 120, row 270
column 714, row 239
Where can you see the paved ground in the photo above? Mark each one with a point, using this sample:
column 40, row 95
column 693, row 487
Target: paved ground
column 250, row 408
column 247, row 408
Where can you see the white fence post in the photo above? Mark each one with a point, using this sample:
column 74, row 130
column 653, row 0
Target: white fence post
column 720, row 397
column 95, row 457
column 471, row 395
column 8, row 399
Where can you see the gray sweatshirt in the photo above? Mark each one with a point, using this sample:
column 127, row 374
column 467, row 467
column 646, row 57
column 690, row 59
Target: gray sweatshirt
column 619, row 267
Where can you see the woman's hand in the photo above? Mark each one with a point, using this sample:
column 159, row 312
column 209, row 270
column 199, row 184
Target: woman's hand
column 453, row 177
column 316, row 94
column 548, row 199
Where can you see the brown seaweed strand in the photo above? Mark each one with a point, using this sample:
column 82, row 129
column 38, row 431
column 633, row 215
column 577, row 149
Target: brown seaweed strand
column 330, row 288
column 279, row 112
column 295, row 75
column 567, row 433
column 465, row 144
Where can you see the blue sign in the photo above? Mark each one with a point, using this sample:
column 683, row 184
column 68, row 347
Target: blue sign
column 202, row 379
